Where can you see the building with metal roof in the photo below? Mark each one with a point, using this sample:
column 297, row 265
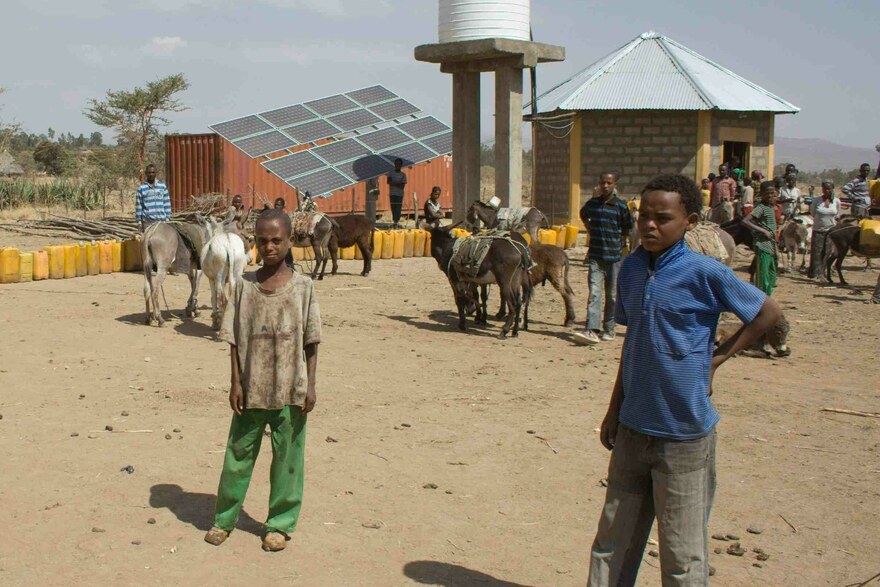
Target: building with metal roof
column 649, row 107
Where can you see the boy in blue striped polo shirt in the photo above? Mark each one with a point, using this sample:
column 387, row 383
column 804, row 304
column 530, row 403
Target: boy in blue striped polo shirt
column 660, row 424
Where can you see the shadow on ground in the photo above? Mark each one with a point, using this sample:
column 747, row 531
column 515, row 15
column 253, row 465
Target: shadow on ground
column 446, row 321
column 196, row 509
column 449, row 575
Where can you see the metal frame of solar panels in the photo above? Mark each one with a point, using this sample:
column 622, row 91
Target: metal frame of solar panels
column 374, row 126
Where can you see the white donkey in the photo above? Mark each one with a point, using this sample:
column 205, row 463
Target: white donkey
column 223, row 259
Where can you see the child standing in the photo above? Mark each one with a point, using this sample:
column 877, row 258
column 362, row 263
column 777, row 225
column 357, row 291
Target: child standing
column 660, row 424
column 762, row 221
column 273, row 326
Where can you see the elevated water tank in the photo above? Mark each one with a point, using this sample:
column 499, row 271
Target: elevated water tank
column 466, row 20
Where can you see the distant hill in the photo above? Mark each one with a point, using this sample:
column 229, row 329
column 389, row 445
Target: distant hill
column 819, row 154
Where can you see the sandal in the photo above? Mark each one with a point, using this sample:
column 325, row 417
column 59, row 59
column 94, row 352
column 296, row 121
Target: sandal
column 274, row 541
column 216, row 536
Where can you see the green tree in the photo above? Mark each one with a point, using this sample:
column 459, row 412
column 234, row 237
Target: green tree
column 51, row 133
column 52, row 156
column 136, row 115
column 96, row 139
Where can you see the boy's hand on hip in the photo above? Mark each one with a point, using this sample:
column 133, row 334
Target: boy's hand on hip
column 236, row 399
column 608, row 431
column 311, row 398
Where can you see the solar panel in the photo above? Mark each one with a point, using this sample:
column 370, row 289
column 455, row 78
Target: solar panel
column 373, row 95
column 241, row 127
column 293, row 165
column 365, row 167
column 312, row 131
column 289, row 115
column 394, row 109
column 423, row 127
column 339, row 151
column 411, row 153
column 264, row 144
column 331, row 105
column 355, row 119
column 441, row 144
column 320, row 182
column 380, row 140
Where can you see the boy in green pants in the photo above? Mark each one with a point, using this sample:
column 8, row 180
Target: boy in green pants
column 762, row 222
column 273, row 326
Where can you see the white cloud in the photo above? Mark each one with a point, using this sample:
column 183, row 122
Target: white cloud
column 163, row 46
column 330, row 8
column 93, row 54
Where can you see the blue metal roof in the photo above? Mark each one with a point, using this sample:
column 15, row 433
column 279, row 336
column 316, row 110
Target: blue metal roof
column 653, row 72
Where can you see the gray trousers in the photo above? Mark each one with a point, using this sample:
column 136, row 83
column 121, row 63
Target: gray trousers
column 648, row 478
column 603, row 279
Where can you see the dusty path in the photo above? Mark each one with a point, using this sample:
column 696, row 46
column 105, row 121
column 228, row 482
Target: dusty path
column 505, row 430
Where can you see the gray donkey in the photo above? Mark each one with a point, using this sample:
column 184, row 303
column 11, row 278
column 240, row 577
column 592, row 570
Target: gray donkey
column 177, row 245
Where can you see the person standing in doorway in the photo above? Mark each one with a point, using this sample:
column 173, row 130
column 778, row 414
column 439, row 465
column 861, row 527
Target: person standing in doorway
column 608, row 223
column 152, row 202
column 723, row 188
column 857, row 190
column 396, row 185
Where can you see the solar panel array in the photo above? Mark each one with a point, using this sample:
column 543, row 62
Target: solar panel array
column 380, row 126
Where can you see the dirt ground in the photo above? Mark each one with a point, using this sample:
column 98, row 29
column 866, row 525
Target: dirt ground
column 433, row 457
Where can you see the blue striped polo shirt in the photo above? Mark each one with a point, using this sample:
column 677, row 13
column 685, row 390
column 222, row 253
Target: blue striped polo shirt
column 152, row 202
column 670, row 309
column 606, row 222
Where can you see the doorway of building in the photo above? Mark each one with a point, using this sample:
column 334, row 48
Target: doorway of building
column 737, row 155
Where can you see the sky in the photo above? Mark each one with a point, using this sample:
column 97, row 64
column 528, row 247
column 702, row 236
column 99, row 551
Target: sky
column 243, row 57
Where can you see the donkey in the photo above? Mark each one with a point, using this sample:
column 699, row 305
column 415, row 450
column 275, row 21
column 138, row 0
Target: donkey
column 550, row 264
column 529, row 220
column 178, row 245
column 796, row 236
column 504, row 265
column 223, row 260
column 840, row 240
column 314, row 229
column 355, row 229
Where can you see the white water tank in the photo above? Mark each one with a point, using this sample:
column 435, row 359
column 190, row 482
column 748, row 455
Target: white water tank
column 466, row 20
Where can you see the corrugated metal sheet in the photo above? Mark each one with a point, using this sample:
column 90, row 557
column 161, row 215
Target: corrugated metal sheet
column 207, row 163
column 653, row 72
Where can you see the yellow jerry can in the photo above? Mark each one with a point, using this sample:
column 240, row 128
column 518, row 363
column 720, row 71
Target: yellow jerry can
column 105, row 257
column 388, row 244
column 116, row 252
column 70, row 257
column 547, row 236
column 25, row 267
column 10, row 265
column 419, row 243
column 571, row 235
column 56, row 261
column 378, row 243
column 41, row 265
column 398, row 244
column 347, row 254
column 409, row 243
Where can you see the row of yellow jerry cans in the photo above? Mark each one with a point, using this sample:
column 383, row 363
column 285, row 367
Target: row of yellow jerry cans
column 563, row 236
column 398, row 244
column 71, row 260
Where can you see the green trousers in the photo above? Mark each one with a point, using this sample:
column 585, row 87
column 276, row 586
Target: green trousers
column 288, row 427
column 765, row 272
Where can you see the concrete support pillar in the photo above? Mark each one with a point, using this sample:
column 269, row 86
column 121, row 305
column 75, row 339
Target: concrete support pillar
column 704, row 145
column 465, row 141
column 508, row 136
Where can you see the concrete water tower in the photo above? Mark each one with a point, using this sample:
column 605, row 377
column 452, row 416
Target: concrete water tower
column 477, row 36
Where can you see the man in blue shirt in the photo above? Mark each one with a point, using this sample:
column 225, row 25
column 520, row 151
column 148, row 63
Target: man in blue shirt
column 660, row 424
column 152, row 203
column 608, row 222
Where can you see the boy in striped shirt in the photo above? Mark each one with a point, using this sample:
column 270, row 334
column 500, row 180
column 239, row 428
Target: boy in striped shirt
column 152, row 203
column 660, row 424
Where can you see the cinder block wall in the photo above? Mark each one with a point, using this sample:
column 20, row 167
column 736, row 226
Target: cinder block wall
column 638, row 144
column 552, row 181
column 759, row 121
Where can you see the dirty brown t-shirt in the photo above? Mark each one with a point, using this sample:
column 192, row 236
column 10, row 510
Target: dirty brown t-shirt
column 270, row 331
